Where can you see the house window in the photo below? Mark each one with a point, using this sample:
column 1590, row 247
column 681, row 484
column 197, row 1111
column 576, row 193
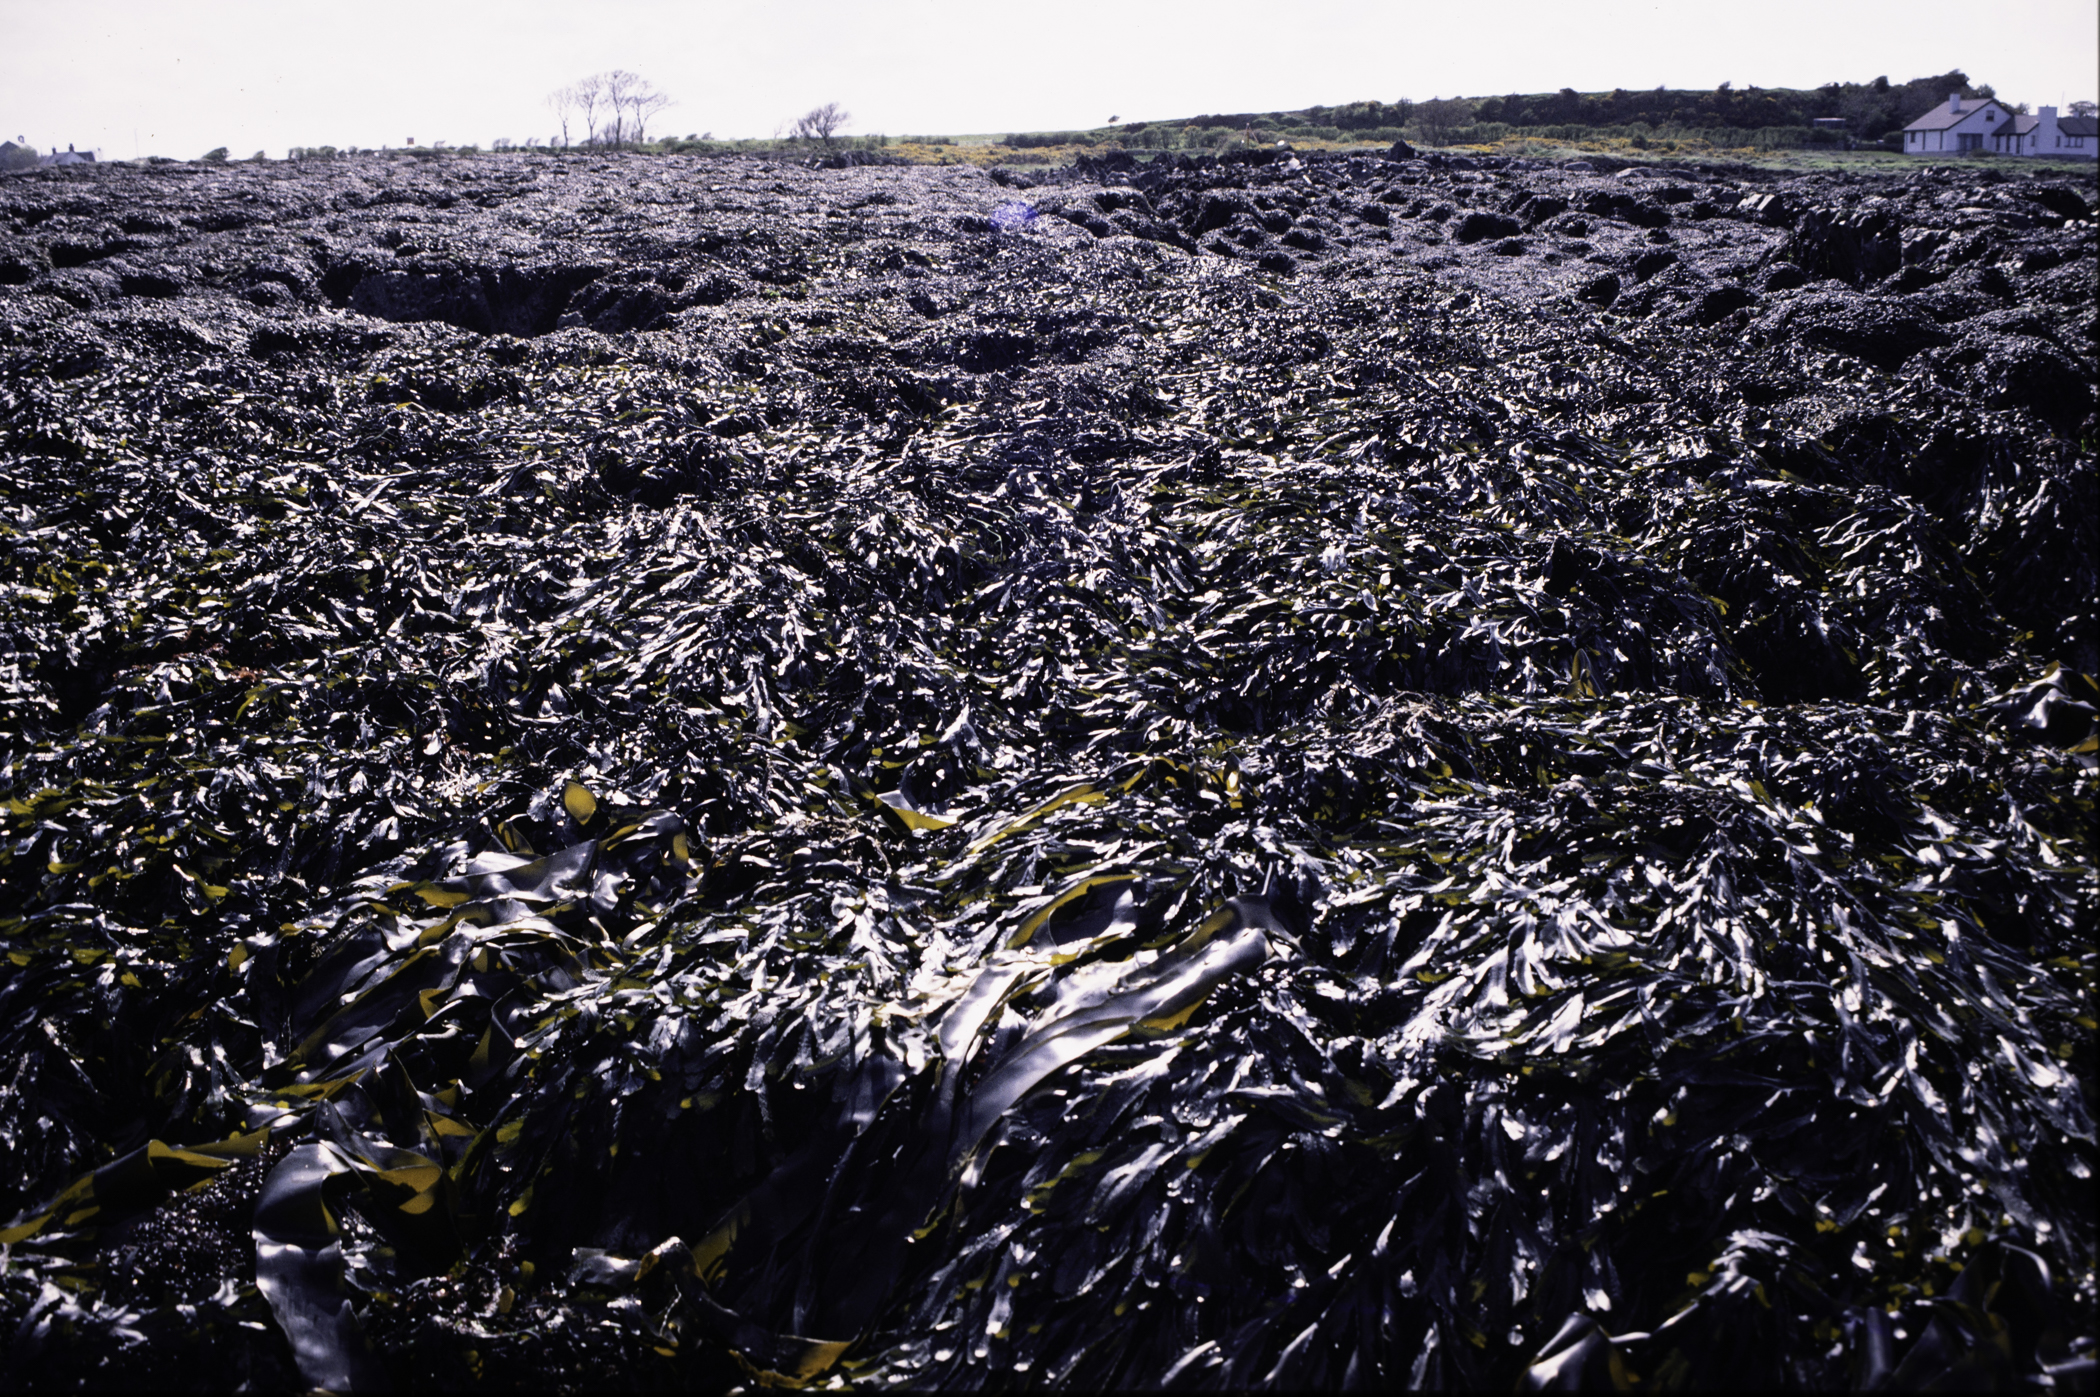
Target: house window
column 1969, row 141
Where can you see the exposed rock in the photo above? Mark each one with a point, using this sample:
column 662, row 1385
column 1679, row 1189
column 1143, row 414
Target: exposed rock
column 1766, row 208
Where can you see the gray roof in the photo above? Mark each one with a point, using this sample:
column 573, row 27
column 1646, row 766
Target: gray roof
column 1939, row 118
column 2069, row 125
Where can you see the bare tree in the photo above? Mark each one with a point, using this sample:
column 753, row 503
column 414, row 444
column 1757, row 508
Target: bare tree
column 633, row 100
column 614, row 87
column 562, row 101
column 821, row 123
column 645, row 103
column 588, row 97
column 613, row 108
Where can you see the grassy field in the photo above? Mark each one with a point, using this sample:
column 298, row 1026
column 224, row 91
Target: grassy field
column 986, row 149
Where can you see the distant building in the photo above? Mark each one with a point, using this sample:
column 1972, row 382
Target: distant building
column 1956, row 129
column 2046, row 133
column 1961, row 128
column 18, row 154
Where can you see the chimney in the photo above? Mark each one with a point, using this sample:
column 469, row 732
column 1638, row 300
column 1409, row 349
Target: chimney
column 2046, row 113
column 1954, row 104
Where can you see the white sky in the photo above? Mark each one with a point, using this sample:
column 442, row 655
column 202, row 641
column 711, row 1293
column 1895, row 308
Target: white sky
column 178, row 77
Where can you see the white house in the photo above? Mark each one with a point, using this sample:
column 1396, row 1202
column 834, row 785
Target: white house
column 1973, row 128
column 2045, row 133
column 1957, row 128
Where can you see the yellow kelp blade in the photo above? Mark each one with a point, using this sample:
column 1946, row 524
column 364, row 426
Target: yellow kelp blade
column 580, row 803
column 900, row 805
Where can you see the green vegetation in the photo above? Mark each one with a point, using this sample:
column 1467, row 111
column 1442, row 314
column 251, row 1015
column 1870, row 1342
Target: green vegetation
column 1870, row 110
column 1753, row 119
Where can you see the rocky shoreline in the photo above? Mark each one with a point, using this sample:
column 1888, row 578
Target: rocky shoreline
column 1296, row 770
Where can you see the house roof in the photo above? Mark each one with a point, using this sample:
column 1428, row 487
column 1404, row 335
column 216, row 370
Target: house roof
column 2069, row 125
column 1939, row 118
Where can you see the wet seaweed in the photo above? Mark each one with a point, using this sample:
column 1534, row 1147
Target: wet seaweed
column 627, row 774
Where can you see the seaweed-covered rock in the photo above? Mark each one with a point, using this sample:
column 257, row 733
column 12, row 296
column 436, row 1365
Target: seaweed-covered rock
column 1858, row 247
column 1882, row 332
column 1480, row 224
column 1285, row 770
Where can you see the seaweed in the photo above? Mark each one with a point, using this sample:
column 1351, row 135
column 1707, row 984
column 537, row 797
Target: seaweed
column 627, row 773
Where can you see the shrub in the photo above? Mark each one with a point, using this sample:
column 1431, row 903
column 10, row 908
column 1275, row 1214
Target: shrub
column 1028, row 140
column 1438, row 123
column 216, row 156
column 1366, row 118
